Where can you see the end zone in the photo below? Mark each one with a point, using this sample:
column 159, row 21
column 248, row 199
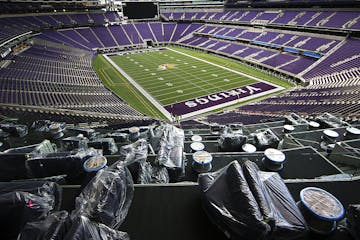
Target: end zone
column 211, row 102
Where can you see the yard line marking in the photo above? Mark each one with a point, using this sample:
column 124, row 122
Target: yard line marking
column 136, row 85
column 191, row 93
column 229, row 69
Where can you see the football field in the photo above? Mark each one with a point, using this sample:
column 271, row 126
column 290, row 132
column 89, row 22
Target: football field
column 180, row 84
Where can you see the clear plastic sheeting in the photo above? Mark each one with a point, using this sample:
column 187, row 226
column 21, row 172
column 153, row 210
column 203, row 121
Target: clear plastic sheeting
column 152, row 174
column 294, row 119
column 107, row 145
column 107, row 197
column 75, row 142
column 246, row 203
column 53, row 227
column 230, row 140
column 265, row 138
column 289, row 222
column 12, row 161
column 16, row 130
column 217, row 129
column 134, row 154
column 160, row 175
column 155, row 135
column 49, row 190
column 44, row 147
column 49, row 129
column 118, row 137
column 353, row 220
column 18, row 208
column 171, row 152
column 328, row 120
column 145, row 172
column 85, row 229
column 51, row 164
column 3, row 134
column 60, row 179
column 86, row 132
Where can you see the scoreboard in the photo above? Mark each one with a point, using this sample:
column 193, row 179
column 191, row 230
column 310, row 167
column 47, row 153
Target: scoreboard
column 141, row 10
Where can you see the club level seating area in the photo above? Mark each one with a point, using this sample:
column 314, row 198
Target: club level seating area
column 349, row 20
column 286, row 62
column 48, row 76
column 276, row 38
column 339, row 67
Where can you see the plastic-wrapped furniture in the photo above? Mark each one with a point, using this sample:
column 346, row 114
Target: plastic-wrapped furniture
column 69, row 163
column 53, row 227
column 107, row 197
column 246, row 203
column 12, row 161
column 16, row 130
column 265, row 138
column 85, row 229
column 17, row 208
column 353, row 220
column 50, row 190
column 171, row 152
column 231, row 141
column 107, row 145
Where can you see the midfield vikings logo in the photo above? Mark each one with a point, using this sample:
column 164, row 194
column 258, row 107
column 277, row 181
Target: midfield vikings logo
column 166, row 66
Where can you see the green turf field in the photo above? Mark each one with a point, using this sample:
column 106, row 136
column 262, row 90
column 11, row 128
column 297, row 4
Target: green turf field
column 171, row 77
column 174, row 75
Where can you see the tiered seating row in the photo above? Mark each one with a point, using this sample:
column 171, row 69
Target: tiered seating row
column 88, row 38
column 57, row 78
column 319, row 19
column 12, row 26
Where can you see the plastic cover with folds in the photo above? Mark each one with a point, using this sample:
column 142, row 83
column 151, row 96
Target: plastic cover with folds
column 107, row 197
column 265, row 138
column 51, row 191
column 289, row 222
column 51, row 164
column 246, row 203
column 53, row 227
column 152, row 174
column 85, row 229
column 18, row 208
column 134, row 153
column 155, row 135
column 231, row 141
column 134, row 157
column 171, row 151
column 107, row 145
column 229, row 203
column 59, row 179
column 353, row 220
column 16, row 130
column 12, row 161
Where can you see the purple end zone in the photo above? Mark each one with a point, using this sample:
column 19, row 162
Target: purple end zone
column 211, row 100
